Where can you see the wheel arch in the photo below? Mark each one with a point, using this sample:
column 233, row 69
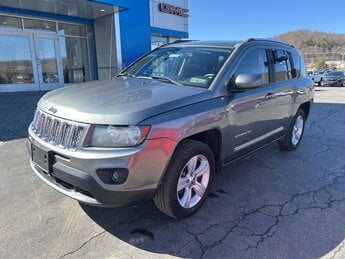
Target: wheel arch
column 212, row 138
column 165, row 196
column 306, row 108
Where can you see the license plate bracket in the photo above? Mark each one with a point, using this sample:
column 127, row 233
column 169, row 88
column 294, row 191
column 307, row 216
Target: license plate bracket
column 42, row 158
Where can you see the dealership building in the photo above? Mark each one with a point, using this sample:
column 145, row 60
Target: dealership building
column 46, row 44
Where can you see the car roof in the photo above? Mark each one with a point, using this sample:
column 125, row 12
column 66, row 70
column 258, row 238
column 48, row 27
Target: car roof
column 221, row 43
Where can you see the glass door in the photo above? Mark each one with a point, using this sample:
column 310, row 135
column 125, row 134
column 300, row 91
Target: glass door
column 48, row 62
column 17, row 67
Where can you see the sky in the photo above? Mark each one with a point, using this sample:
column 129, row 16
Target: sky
column 242, row 19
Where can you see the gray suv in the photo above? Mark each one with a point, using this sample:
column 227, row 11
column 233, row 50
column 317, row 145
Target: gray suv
column 169, row 122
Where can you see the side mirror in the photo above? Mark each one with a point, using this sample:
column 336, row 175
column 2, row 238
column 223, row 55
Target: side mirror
column 248, row 81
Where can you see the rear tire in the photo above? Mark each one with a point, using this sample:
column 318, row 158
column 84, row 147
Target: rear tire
column 187, row 180
column 295, row 132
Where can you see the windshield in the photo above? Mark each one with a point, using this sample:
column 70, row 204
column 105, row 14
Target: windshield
column 191, row 66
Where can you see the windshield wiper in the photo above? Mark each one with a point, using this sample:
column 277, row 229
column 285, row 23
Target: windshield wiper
column 166, row 79
column 125, row 74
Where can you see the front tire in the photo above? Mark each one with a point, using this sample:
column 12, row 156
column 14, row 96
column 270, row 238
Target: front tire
column 295, row 132
column 323, row 83
column 187, row 180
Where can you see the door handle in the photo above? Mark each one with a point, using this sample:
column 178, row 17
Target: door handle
column 270, row 96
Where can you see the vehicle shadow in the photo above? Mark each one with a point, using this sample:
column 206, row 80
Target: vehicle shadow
column 17, row 110
column 271, row 204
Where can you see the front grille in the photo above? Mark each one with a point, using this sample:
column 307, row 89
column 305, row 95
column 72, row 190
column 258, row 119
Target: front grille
column 59, row 132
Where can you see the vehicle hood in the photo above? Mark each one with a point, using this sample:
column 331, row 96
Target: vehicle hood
column 121, row 101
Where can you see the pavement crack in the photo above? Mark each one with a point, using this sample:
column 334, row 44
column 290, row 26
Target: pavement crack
column 195, row 236
column 83, row 244
column 125, row 222
column 319, row 198
column 265, row 166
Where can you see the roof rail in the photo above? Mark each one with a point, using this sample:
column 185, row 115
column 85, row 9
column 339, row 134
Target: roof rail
column 175, row 41
column 270, row 40
column 178, row 41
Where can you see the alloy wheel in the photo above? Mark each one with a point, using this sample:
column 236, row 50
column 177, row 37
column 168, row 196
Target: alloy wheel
column 193, row 181
column 297, row 130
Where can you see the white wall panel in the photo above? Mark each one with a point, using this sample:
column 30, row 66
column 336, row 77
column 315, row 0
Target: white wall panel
column 168, row 21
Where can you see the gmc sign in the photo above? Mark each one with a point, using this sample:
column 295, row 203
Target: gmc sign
column 170, row 9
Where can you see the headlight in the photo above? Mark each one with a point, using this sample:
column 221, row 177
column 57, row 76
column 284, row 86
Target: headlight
column 118, row 136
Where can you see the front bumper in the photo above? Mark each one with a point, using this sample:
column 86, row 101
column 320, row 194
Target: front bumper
column 75, row 173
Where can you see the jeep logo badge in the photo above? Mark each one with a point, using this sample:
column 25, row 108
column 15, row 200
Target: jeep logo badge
column 52, row 109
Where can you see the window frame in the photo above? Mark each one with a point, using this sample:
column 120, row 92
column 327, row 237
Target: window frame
column 243, row 55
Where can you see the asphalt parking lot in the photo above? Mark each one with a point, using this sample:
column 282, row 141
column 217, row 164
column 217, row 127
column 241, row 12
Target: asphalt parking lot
column 273, row 204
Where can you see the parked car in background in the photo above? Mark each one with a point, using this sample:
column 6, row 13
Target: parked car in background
column 333, row 78
column 317, row 77
column 313, row 73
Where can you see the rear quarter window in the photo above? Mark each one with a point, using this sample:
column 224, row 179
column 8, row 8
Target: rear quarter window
column 297, row 65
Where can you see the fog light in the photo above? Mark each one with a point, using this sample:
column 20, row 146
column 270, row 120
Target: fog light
column 113, row 175
column 118, row 176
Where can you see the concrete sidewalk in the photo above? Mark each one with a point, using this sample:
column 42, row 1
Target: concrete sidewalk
column 16, row 113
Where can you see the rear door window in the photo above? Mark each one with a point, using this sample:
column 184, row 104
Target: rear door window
column 282, row 65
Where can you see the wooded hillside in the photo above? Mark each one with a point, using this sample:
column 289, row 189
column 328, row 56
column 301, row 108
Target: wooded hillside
column 316, row 45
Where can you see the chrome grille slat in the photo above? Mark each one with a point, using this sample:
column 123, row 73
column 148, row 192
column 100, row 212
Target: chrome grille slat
column 71, row 135
column 41, row 125
column 66, row 129
column 54, row 131
column 77, row 136
column 59, row 132
column 47, row 127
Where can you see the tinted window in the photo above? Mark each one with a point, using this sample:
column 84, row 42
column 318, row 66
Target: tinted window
column 9, row 21
column 71, row 29
column 296, row 71
column 254, row 62
column 282, row 65
column 39, row 24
